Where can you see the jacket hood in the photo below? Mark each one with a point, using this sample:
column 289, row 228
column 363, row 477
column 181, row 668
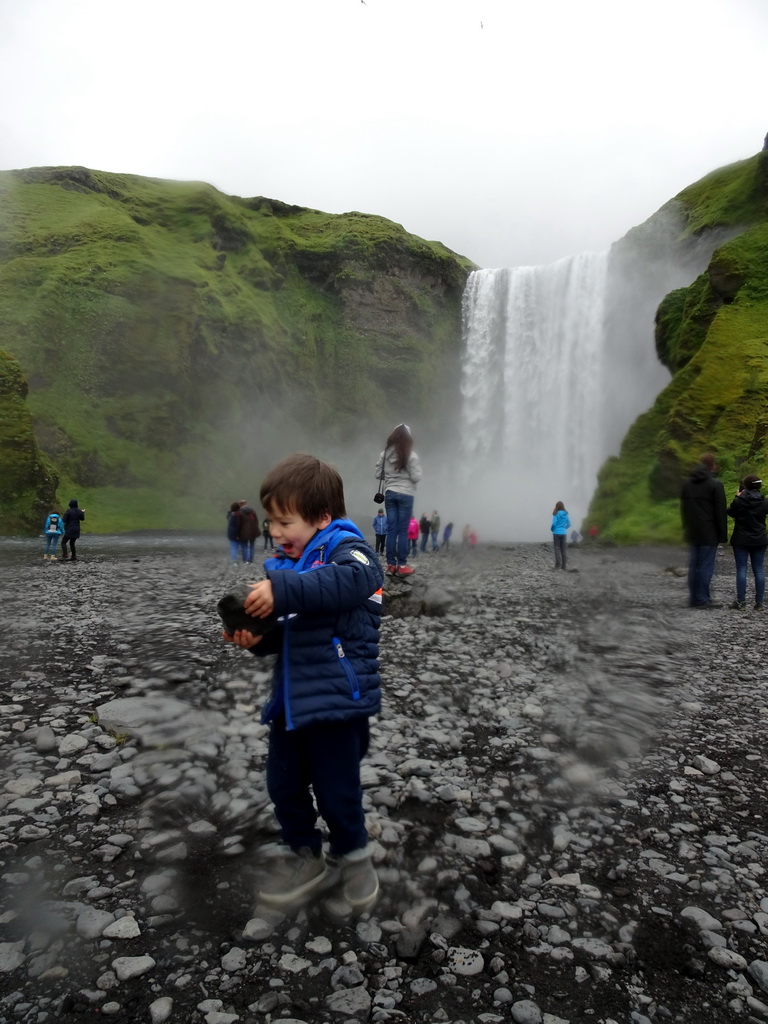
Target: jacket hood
column 73, row 503
column 701, row 473
column 751, row 497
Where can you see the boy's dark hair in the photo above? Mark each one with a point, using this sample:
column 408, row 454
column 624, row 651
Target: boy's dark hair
column 304, row 484
column 752, row 482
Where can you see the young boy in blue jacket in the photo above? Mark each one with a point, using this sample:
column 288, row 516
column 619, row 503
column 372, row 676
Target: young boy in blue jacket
column 325, row 588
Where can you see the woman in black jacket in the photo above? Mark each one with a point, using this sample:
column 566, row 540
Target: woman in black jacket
column 749, row 539
column 71, row 520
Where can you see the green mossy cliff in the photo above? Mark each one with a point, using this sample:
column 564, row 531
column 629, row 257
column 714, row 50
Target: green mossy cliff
column 713, row 337
column 169, row 333
column 28, row 482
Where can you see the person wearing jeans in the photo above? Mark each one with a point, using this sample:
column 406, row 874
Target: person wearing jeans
column 702, row 508
column 749, row 539
column 561, row 523
column 400, row 468
column 399, row 509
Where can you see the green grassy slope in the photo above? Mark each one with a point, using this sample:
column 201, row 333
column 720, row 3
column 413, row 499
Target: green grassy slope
column 155, row 319
column 713, row 336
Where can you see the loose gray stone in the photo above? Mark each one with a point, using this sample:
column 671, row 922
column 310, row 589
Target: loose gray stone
column 161, row 1009
column 127, row 967
column 524, row 1011
column 355, row 1002
column 465, row 962
column 758, row 970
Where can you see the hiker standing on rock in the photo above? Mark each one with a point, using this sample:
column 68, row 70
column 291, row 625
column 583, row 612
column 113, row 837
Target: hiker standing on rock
column 71, row 520
column 399, row 465
column 702, row 507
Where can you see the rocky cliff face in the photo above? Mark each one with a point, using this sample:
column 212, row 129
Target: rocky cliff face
column 713, row 337
column 171, row 334
column 28, row 484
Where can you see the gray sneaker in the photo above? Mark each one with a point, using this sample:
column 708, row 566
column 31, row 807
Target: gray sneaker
column 360, row 883
column 295, row 877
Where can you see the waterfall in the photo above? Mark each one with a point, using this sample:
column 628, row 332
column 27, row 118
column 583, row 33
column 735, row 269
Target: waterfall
column 533, row 391
column 558, row 362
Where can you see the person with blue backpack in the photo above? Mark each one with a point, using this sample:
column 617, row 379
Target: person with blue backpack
column 53, row 529
column 561, row 524
column 325, row 588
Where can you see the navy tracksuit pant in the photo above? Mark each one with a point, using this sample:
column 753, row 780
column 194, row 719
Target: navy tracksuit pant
column 325, row 757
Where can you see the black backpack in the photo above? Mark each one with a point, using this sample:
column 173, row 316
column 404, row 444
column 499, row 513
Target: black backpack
column 53, row 524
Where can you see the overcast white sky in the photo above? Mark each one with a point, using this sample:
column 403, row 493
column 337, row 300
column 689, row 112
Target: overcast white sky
column 514, row 131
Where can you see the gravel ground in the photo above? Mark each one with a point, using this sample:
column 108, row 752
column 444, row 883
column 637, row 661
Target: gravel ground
column 566, row 797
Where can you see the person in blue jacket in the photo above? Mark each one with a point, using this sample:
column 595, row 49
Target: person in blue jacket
column 380, row 527
column 54, row 527
column 561, row 524
column 324, row 587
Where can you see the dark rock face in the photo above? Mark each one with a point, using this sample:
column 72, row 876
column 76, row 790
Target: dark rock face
column 28, row 484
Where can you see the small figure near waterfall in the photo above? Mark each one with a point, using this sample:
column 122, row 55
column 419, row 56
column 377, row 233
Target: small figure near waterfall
column 561, row 524
column 249, row 530
column 424, row 528
column 234, row 521
column 447, row 531
column 267, row 535
column 399, row 465
column 324, row 587
column 380, row 531
column 702, row 508
column 749, row 539
column 434, row 529
column 413, row 535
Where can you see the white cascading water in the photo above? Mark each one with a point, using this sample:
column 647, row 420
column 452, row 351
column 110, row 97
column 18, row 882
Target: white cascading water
column 533, row 392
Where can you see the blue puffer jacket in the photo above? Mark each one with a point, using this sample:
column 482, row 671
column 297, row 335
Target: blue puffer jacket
column 328, row 644
column 560, row 522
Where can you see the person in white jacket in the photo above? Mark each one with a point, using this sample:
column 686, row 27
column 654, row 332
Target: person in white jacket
column 399, row 465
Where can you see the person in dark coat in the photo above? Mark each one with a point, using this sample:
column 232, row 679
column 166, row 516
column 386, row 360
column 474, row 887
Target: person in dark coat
column 71, row 520
column 249, row 530
column 325, row 587
column 749, row 539
column 703, row 511
column 234, row 521
column 424, row 530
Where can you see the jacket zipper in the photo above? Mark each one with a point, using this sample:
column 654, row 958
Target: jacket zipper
column 348, row 670
column 286, row 680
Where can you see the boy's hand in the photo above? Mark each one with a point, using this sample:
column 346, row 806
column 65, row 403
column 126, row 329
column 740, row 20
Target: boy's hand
column 242, row 638
column 261, row 601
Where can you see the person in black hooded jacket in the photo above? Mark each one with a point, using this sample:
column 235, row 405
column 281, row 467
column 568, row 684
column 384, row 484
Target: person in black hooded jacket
column 702, row 506
column 71, row 520
column 749, row 539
